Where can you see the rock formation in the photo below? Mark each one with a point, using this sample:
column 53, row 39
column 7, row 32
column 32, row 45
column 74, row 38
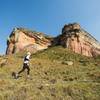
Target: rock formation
column 78, row 40
column 23, row 39
column 73, row 37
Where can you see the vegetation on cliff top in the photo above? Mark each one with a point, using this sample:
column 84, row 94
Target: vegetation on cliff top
column 52, row 77
column 26, row 30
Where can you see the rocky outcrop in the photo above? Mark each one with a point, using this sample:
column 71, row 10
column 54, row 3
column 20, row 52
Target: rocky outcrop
column 73, row 37
column 23, row 39
column 78, row 40
column 3, row 61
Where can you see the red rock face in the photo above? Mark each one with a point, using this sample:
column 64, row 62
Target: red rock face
column 79, row 47
column 21, row 40
column 79, row 41
column 73, row 37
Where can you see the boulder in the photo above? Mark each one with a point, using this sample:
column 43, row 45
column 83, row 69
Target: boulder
column 68, row 63
column 3, row 62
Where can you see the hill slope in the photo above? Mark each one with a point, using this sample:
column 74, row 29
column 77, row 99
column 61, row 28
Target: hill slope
column 52, row 77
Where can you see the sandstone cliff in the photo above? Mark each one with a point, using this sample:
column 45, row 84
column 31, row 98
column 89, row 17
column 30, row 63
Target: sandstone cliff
column 23, row 39
column 78, row 40
column 73, row 37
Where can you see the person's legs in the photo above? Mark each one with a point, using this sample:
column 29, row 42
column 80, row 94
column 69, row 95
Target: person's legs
column 25, row 66
column 22, row 69
column 17, row 74
column 28, row 70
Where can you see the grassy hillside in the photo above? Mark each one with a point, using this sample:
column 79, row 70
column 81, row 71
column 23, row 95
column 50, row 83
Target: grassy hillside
column 52, row 77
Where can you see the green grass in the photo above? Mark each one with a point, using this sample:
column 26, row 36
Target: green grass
column 51, row 78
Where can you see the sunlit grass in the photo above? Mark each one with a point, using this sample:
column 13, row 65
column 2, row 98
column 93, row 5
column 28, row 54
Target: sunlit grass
column 51, row 78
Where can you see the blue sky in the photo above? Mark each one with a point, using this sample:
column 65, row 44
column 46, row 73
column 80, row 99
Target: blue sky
column 48, row 16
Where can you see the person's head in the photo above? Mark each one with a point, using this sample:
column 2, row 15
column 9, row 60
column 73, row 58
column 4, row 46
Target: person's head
column 28, row 53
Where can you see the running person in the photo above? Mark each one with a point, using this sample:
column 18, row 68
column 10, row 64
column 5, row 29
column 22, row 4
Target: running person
column 25, row 65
